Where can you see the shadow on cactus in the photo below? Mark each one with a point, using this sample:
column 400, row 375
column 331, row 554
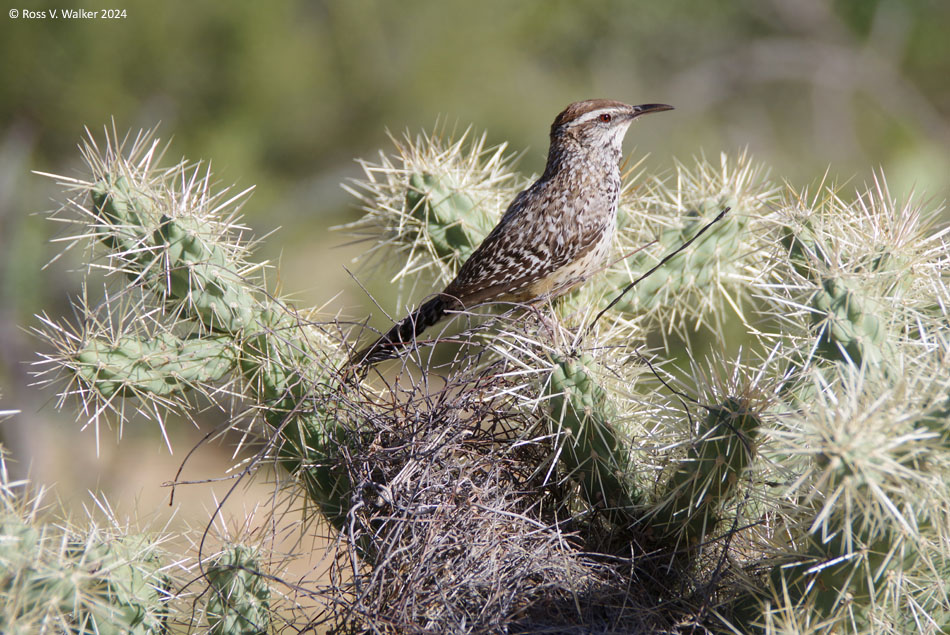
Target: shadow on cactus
column 551, row 479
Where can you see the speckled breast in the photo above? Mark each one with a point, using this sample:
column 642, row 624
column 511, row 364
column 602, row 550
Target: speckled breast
column 576, row 272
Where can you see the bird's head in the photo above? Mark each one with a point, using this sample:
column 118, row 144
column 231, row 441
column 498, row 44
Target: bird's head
column 598, row 124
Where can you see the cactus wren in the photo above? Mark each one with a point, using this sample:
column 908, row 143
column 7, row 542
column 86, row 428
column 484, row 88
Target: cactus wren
column 552, row 237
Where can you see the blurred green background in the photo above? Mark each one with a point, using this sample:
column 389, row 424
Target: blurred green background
column 285, row 94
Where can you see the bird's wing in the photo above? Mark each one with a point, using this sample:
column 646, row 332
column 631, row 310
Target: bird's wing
column 530, row 242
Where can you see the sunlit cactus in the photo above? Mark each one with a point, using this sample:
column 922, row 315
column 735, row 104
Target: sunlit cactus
column 60, row 578
column 711, row 279
column 432, row 201
column 191, row 314
column 239, row 598
column 181, row 257
column 854, row 280
column 161, row 365
column 453, row 224
column 867, row 515
column 857, row 282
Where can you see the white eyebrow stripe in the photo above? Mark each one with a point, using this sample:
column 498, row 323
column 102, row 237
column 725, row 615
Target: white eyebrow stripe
column 593, row 114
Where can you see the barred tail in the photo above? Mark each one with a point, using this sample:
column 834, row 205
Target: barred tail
column 404, row 332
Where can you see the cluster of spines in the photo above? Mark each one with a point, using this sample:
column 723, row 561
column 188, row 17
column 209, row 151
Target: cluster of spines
column 688, row 508
column 59, row 577
column 196, row 316
column 238, row 594
column 432, row 201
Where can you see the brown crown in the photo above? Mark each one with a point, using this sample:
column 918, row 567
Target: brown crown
column 579, row 108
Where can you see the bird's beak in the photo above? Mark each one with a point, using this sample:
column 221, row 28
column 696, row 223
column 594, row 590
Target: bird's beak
column 636, row 111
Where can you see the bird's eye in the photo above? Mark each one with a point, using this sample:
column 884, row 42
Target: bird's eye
column 605, row 117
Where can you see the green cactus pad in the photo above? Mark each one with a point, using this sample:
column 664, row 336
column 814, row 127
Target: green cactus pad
column 129, row 578
column 452, row 222
column 591, row 453
column 847, row 325
column 199, row 271
column 690, row 270
column 161, row 365
column 847, row 328
column 275, row 363
column 174, row 257
column 690, row 508
column 97, row 584
column 197, row 277
column 124, row 213
column 239, row 598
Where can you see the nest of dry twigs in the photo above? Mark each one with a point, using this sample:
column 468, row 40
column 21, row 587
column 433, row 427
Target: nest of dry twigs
column 461, row 523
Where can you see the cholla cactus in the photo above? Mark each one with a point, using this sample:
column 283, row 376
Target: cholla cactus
column 592, row 452
column 854, row 281
column 190, row 312
column 239, row 598
column 712, row 280
column 799, row 487
column 861, row 283
column 433, row 201
column 709, row 475
column 58, row 578
column 866, row 516
column 63, row 577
